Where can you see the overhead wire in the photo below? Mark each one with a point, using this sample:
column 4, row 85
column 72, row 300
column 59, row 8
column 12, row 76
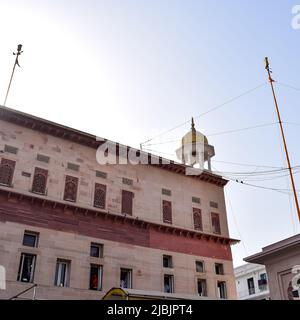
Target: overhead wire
column 206, row 112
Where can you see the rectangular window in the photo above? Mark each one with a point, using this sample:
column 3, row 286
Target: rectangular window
column 166, row 192
column 71, row 186
column 219, row 268
column 10, row 149
column 39, row 182
column 96, row 250
column 42, row 158
column 30, row 239
column 214, row 204
column 127, row 181
column 167, row 261
column 263, row 282
column 127, row 202
column 126, row 278
column 202, row 287
column 196, row 200
column 73, row 166
column 7, row 168
column 199, row 266
column 222, row 291
column 215, row 222
column 168, row 283
column 101, row 174
column 100, row 196
column 26, row 267
column 62, row 273
column 251, row 288
column 96, row 277
column 197, row 219
column 167, row 211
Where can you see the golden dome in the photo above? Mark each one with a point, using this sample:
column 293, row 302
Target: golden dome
column 194, row 136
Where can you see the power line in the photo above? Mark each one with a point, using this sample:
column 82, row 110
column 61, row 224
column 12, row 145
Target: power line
column 287, row 86
column 218, row 133
column 235, row 222
column 208, row 111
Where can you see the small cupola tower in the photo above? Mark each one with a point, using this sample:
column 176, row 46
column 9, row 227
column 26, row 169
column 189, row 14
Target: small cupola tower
column 195, row 150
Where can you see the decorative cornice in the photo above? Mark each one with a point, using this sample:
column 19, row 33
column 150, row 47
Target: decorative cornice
column 86, row 139
column 97, row 213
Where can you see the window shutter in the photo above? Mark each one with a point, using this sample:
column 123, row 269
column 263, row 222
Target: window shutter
column 71, row 186
column 197, row 219
column 7, row 168
column 167, row 211
column 100, row 196
column 215, row 220
column 127, row 200
column 39, row 180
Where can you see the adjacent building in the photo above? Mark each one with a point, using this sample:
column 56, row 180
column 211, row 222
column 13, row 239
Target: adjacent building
column 77, row 228
column 252, row 282
column 282, row 262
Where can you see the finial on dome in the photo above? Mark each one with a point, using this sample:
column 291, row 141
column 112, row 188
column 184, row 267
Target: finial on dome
column 193, row 123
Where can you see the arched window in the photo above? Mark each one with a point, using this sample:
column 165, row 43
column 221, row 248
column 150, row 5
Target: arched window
column 197, row 219
column 39, row 182
column 71, row 186
column 100, row 196
column 7, row 168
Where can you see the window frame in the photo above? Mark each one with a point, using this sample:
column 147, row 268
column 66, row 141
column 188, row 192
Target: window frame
column 21, row 266
column 129, row 272
column 100, row 277
column 31, row 233
column 58, row 271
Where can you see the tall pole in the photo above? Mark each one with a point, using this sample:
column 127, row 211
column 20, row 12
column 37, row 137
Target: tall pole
column 283, row 137
column 19, row 51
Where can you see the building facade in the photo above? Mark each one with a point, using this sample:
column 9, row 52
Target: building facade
column 252, row 282
column 282, row 262
column 76, row 228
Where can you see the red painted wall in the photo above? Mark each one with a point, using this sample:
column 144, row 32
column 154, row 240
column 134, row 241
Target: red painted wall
column 34, row 214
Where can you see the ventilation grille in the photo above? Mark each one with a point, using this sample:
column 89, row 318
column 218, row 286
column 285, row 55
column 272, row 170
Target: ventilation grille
column 196, row 200
column 214, row 204
column 166, row 192
column 42, row 158
column 127, row 181
column 101, row 174
column 73, row 166
column 10, row 149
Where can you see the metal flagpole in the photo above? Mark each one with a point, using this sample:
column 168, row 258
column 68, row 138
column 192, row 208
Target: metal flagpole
column 19, row 51
column 283, row 137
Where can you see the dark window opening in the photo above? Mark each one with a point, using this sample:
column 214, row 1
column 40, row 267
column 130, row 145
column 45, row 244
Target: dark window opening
column 127, row 202
column 71, row 186
column 30, row 239
column 96, row 277
column 215, row 221
column 7, row 168
column 167, row 211
column 202, row 288
column 251, row 288
column 168, row 283
column 96, row 250
column 219, row 268
column 167, row 261
column 100, row 196
column 26, row 267
column 222, row 292
column 197, row 219
column 126, row 278
column 62, row 274
column 199, row 266
column 39, row 182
